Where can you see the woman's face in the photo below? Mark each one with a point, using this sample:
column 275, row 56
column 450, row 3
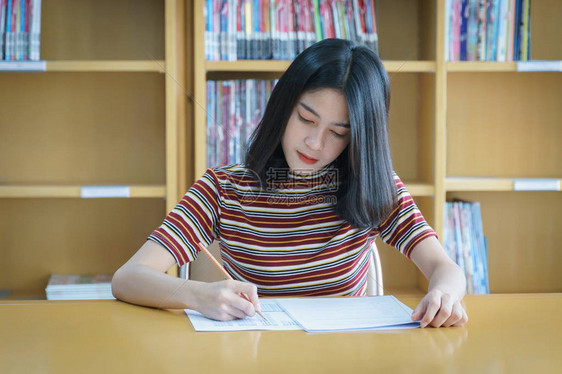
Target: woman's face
column 317, row 132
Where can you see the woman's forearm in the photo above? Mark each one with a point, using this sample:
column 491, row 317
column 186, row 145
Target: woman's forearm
column 143, row 281
column 142, row 285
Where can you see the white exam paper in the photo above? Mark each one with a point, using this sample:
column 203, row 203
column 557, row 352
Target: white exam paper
column 276, row 319
column 318, row 315
column 349, row 313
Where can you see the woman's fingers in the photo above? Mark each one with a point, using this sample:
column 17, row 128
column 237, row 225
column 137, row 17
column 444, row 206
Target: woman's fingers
column 437, row 309
column 463, row 319
column 444, row 312
column 228, row 300
column 433, row 303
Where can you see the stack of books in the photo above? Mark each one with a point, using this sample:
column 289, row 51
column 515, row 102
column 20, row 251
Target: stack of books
column 234, row 109
column 79, row 287
column 281, row 29
column 20, row 29
column 465, row 243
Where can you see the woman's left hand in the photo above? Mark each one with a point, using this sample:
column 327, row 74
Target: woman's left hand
column 438, row 309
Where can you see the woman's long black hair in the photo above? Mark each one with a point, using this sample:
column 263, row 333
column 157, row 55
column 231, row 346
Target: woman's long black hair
column 367, row 191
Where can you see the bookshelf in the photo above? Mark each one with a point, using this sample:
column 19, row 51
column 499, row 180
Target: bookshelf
column 458, row 130
column 509, row 124
column 108, row 110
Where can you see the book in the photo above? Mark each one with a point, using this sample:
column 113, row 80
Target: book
column 465, row 243
column 472, row 30
column 482, row 35
column 79, row 287
column 3, row 9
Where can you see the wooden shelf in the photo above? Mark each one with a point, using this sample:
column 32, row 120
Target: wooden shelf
column 453, row 184
column 480, row 66
column 156, row 66
column 408, row 66
column 158, row 191
column 275, row 66
column 71, row 129
column 279, row 66
column 148, row 66
column 405, row 66
column 420, row 189
column 508, row 67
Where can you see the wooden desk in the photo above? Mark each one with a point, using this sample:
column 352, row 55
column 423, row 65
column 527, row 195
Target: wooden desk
column 505, row 334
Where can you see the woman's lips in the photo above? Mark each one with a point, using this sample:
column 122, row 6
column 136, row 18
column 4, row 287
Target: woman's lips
column 306, row 159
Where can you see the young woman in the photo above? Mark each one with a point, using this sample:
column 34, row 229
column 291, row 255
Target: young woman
column 298, row 218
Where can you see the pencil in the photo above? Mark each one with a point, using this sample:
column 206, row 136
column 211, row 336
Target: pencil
column 219, row 266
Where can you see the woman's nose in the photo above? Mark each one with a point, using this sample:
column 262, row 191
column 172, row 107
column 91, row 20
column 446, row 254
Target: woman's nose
column 314, row 140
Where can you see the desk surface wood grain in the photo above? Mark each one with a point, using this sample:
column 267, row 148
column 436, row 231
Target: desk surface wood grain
column 505, row 333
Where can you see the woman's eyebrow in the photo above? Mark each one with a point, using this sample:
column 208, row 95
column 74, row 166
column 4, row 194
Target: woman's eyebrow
column 346, row 125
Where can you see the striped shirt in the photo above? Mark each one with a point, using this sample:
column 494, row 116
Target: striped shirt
column 288, row 241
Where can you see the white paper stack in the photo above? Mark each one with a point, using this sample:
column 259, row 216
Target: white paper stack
column 79, row 287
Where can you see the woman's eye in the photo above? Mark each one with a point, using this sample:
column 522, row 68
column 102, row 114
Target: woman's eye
column 338, row 134
column 304, row 119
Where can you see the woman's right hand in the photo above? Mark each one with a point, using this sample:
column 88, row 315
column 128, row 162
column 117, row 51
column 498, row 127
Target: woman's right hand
column 223, row 301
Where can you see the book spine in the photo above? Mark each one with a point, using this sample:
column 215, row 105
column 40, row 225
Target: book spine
column 293, row 28
column 36, row 48
column 317, row 23
column 457, row 16
column 17, row 30
column 331, row 14
column 525, row 41
column 219, row 134
column 510, row 30
column 2, row 27
column 208, row 14
column 223, row 36
column 357, row 20
column 490, row 20
column 257, row 30
column 501, row 43
column 8, row 42
column 472, row 31
column 482, row 24
column 308, row 16
column 27, row 34
column 210, row 123
column 496, row 30
column 517, row 31
column 466, row 223
column 34, row 20
column 231, row 31
column 374, row 38
column 272, row 28
column 232, row 131
column 243, row 133
column 21, row 39
column 216, row 29
column 464, row 15
column 267, row 30
column 327, row 21
column 448, row 27
column 256, row 11
column 300, row 26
